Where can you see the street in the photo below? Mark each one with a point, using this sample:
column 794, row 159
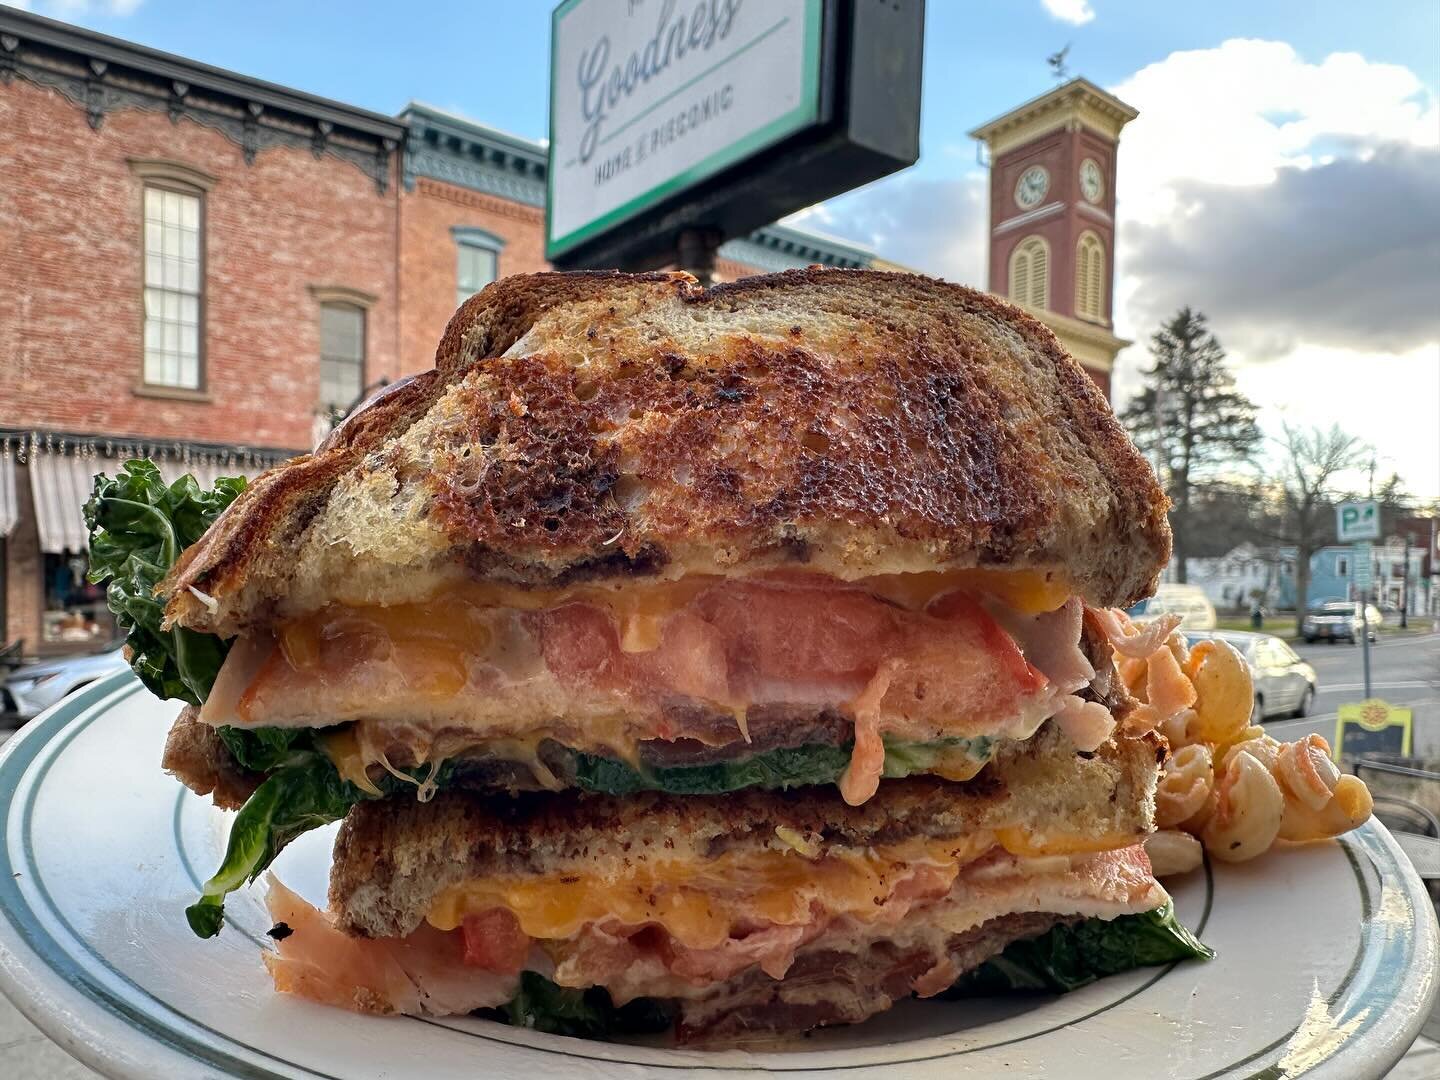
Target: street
column 1403, row 671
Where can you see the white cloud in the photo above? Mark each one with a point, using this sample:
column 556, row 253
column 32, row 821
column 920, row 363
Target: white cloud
column 1275, row 194
column 1237, row 113
column 1078, row 12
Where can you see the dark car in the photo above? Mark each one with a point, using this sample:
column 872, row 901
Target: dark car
column 1339, row 620
column 1284, row 683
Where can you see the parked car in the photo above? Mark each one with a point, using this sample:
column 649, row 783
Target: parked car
column 32, row 688
column 1284, row 683
column 1187, row 601
column 1339, row 620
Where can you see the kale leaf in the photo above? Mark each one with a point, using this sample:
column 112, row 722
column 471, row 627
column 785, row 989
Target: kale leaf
column 292, row 800
column 138, row 528
column 303, row 791
column 786, row 767
column 262, row 749
column 1068, row 957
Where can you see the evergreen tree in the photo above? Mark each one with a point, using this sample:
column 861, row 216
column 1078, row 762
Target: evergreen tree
column 1191, row 421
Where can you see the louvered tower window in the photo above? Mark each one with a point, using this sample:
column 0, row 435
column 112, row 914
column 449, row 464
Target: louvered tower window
column 1089, row 278
column 1030, row 272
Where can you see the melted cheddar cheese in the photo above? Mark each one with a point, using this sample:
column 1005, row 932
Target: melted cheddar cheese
column 438, row 634
column 699, row 904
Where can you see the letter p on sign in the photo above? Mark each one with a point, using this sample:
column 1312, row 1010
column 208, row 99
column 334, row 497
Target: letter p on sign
column 1357, row 521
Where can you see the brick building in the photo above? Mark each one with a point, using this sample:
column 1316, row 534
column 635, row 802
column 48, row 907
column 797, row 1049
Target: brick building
column 205, row 268
column 1052, row 215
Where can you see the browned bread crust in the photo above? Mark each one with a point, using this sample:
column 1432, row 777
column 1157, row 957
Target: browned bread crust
column 393, row 857
column 196, row 756
column 602, row 424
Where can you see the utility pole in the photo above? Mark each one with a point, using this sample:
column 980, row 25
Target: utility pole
column 1405, row 585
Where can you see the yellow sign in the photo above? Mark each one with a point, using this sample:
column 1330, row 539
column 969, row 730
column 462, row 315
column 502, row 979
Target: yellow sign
column 1372, row 727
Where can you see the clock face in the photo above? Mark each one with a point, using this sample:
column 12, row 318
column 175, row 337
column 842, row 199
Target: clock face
column 1092, row 182
column 1034, row 182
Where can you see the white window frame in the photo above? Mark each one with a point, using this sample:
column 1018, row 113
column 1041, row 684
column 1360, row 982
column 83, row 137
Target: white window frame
column 172, row 275
column 471, row 238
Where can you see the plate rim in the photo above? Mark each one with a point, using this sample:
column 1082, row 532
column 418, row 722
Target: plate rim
column 90, row 1021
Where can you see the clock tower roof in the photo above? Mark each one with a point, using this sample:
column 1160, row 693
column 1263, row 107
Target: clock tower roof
column 1077, row 100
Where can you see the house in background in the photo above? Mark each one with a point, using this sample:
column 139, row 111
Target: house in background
column 1233, row 581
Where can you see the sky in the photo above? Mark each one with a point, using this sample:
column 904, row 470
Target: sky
column 1283, row 176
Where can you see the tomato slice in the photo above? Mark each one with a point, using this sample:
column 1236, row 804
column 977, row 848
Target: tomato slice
column 494, row 941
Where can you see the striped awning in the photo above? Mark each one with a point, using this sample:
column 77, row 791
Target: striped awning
column 61, row 482
column 9, row 501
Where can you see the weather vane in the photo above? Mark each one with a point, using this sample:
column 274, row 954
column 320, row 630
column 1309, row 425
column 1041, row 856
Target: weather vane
column 1057, row 63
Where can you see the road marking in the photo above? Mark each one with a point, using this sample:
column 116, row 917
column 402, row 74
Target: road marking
column 1409, row 684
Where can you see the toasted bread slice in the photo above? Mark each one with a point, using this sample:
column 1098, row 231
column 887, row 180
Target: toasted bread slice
column 394, row 857
column 597, row 425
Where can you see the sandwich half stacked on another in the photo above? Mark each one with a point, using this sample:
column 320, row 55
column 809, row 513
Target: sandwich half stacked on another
column 733, row 657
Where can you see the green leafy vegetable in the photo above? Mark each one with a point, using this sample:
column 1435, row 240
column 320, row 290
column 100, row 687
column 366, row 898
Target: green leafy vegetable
column 584, row 1014
column 265, row 748
column 788, row 767
column 138, row 528
column 292, row 800
column 1068, row 957
column 302, row 792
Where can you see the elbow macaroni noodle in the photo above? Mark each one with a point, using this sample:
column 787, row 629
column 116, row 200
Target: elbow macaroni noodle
column 1227, row 785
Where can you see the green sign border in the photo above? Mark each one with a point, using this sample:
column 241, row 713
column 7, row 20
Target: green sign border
column 805, row 113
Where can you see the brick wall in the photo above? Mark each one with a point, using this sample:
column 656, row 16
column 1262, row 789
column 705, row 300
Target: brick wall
column 70, row 274
column 428, row 262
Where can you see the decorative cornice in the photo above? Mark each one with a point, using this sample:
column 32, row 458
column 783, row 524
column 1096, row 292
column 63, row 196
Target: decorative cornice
column 422, row 160
column 342, row 294
column 1091, row 210
column 1075, row 93
column 442, row 189
column 447, row 147
column 101, row 75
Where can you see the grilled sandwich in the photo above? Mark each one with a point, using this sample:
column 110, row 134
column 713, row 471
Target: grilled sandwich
column 628, row 529
column 740, row 649
column 753, row 912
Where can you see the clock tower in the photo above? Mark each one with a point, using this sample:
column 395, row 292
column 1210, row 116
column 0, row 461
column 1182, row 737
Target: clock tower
column 1052, row 215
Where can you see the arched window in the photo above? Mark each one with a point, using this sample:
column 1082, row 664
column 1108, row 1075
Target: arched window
column 1089, row 278
column 1030, row 272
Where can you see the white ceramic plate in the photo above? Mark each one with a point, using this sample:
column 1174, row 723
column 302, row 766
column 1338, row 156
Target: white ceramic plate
column 1326, row 966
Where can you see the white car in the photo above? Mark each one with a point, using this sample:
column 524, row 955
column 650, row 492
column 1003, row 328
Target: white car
column 32, row 688
column 1284, row 683
column 1188, row 601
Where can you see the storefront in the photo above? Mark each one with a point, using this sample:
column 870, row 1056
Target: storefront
column 47, row 604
